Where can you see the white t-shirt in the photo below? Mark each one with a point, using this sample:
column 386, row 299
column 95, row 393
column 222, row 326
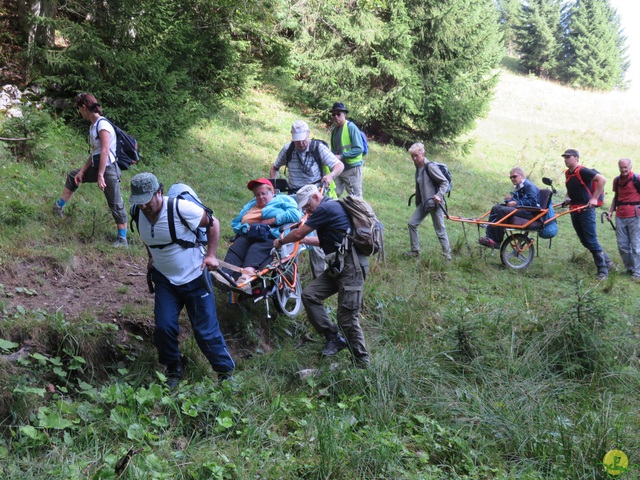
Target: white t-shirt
column 94, row 140
column 180, row 265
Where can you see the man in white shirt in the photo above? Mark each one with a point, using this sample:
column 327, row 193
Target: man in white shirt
column 180, row 275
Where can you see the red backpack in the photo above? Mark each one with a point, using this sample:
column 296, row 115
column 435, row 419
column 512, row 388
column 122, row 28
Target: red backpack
column 590, row 188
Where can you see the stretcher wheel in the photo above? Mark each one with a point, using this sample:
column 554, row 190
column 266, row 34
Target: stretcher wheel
column 288, row 300
column 517, row 251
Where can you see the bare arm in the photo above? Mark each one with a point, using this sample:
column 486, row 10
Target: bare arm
column 213, row 235
column 105, row 138
column 599, row 181
column 293, row 236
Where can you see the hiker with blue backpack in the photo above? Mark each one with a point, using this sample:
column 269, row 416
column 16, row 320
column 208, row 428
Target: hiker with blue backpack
column 626, row 205
column 101, row 167
column 525, row 194
column 348, row 145
column 431, row 187
column 180, row 274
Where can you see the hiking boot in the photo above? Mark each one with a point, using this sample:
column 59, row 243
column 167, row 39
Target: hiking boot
column 226, row 377
column 610, row 264
column 335, row 344
column 411, row 254
column 58, row 210
column 174, row 376
column 362, row 362
column 602, row 275
column 121, row 242
column 635, row 278
column 487, row 242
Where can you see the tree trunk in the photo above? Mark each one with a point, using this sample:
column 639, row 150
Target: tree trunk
column 37, row 35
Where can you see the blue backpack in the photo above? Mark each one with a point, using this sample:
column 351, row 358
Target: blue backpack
column 550, row 229
column 365, row 143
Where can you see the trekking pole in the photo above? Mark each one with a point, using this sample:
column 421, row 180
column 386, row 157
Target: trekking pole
column 444, row 209
column 604, row 215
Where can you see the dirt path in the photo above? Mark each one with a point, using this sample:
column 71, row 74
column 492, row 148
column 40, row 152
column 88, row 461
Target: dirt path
column 85, row 286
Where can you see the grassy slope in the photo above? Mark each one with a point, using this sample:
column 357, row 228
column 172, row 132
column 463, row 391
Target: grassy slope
column 477, row 370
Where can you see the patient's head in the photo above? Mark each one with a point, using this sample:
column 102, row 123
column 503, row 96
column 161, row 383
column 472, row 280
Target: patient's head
column 262, row 189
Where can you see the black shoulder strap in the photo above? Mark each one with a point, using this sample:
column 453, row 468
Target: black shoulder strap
column 636, row 182
column 287, row 157
column 314, row 148
column 172, row 224
column 134, row 212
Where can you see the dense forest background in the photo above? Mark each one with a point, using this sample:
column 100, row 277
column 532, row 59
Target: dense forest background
column 407, row 69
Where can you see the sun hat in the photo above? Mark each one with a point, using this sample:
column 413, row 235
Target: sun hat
column 299, row 131
column 339, row 107
column 143, row 187
column 305, row 193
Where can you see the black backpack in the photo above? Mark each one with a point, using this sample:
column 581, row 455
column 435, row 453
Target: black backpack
column 636, row 183
column 178, row 192
column 314, row 149
column 126, row 146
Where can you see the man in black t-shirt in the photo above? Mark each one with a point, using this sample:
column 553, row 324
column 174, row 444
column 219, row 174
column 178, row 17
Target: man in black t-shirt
column 584, row 186
column 344, row 276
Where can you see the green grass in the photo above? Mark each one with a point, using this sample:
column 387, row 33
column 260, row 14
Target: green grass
column 478, row 372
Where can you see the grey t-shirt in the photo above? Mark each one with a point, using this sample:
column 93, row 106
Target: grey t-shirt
column 303, row 168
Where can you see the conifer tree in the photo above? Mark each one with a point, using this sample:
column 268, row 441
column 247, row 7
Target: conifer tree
column 412, row 69
column 538, row 37
column 594, row 53
column 509, row 13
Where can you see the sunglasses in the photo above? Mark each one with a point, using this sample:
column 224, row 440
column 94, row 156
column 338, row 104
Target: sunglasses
column 513, row 176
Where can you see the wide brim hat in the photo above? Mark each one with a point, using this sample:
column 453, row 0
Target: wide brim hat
column 339, row 107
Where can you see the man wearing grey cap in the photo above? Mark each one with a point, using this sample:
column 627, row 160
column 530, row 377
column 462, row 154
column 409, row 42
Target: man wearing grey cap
column 584, row 187
column 344, row 276
column 180, row 276
column 308, row 162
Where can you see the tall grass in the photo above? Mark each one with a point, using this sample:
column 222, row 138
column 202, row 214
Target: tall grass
column 477, row 372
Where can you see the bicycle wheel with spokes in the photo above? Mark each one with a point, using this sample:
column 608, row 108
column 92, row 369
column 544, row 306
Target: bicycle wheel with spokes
column 288, row 297
column 517, row 251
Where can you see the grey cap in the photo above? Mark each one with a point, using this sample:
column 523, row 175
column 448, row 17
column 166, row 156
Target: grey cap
column 299, row 131
column 305, row 193
column 143, row 187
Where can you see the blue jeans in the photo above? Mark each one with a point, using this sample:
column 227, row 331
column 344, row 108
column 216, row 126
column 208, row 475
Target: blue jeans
column 584, row 223
column 201, row 308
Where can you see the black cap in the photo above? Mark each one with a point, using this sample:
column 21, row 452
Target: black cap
column 571, row 153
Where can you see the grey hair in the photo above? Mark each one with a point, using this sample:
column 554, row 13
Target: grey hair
column 626, row 160
column 416, row 147
column 519, row 171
